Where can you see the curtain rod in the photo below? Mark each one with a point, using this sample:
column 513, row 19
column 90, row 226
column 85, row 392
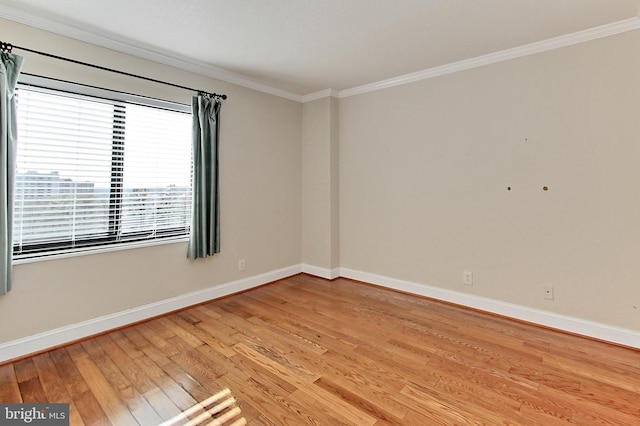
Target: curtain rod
column 7, row 47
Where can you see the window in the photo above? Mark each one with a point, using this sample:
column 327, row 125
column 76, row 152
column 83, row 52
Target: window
column 93, row 171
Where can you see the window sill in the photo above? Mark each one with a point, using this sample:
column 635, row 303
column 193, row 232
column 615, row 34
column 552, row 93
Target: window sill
column 19, row 260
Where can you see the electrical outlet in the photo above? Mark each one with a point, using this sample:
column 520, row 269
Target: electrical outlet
column 467, row 277
column 242, row 264
column 548, row 292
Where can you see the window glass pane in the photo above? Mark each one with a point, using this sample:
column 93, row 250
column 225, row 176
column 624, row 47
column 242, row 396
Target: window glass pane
column 63, row 168
column 157, row 170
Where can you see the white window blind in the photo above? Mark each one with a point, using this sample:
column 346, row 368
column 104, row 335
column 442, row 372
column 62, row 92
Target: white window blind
column 92, row 172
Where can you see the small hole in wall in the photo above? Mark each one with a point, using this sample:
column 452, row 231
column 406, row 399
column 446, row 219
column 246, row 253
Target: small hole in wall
column 508, row 188
column 545, row 188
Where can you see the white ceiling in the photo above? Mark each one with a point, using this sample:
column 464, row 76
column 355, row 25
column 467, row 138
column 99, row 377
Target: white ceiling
column 300, row 47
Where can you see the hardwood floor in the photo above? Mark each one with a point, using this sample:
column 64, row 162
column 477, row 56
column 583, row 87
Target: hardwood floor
column 309, row 351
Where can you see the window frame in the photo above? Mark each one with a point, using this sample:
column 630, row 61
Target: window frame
column 114, row 240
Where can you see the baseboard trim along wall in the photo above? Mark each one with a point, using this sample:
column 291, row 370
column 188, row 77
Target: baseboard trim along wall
column 329, row 274
column 60, row 336
column 565, row 323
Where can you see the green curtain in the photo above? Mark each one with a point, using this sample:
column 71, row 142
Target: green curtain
column 10, row 66
column 205, row 210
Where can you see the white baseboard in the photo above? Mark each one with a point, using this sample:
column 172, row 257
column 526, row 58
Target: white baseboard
column 329, row 274
column 49, row 339
column 579, row 326
column 59, row 336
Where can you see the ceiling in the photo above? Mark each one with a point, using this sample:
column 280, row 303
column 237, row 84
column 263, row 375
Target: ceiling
column 300, row 47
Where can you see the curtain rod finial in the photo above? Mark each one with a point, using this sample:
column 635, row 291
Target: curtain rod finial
column 6, row 47
column 211, row 95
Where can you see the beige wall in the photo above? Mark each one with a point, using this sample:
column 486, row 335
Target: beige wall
column 424, row 171
column 260, row 174
column 320, row 190
column 408, row 182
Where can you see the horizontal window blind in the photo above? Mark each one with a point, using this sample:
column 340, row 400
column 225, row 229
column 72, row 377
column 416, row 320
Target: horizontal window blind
column 92, row 172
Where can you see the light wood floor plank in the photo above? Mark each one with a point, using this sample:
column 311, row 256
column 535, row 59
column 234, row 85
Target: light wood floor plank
column 307, row 351
column 90, row 410
column 9, row 388
column 25, row 370
column 32, row 391
column 105, row 394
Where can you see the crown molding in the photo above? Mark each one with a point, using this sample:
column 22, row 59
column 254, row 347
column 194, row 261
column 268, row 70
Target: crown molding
column 504, row 55
column 319, row 95
column 20, row 16
column 17, row 15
